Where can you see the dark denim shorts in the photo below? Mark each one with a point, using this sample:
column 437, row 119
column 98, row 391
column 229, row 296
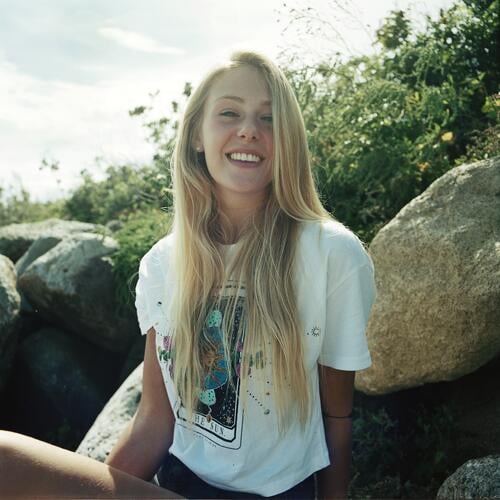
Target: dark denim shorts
column 175, row 476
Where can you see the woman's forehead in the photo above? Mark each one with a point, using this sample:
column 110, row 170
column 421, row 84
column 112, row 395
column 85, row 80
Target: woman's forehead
column 240, row 84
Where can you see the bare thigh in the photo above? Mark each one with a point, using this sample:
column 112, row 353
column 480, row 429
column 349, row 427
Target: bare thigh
column 30, row 468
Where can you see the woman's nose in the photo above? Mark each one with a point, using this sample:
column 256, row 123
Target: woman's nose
column 249, row 130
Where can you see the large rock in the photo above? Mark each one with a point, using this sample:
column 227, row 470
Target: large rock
column 134, row 357
column 72, row 286
column 111, row 422
column 36, row 249
column 437, row 266
column 40, row 246
column 65, row 377
column 477, row 478
column 10, row 303
column 15, row 239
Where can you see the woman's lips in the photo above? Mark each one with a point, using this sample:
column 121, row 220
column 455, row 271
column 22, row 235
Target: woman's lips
column 244, row 164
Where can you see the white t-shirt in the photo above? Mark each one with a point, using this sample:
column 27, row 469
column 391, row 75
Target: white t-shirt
column 240, row 450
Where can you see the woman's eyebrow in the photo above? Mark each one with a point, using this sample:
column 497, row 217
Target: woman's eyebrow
column 240, row 99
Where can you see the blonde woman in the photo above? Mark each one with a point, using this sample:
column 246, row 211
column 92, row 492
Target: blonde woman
column 255, row 308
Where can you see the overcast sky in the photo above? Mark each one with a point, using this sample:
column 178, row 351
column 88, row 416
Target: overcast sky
column 71, row 70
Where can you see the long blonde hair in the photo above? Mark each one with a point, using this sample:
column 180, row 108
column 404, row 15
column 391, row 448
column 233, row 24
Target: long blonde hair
column 264, row 263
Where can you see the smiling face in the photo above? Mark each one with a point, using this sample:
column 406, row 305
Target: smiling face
column 237, row 137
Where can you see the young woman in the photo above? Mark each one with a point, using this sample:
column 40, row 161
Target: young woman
column 255, row 308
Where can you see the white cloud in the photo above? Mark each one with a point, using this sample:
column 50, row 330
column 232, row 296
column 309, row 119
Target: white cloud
column 136, row 41
column 73, row 123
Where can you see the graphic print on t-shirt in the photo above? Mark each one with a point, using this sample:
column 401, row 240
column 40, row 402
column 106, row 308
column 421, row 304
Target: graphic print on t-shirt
column 218, row 413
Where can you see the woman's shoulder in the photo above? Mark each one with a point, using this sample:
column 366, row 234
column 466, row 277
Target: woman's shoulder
column 159, row 250
column 336, row 240
column 331, row 233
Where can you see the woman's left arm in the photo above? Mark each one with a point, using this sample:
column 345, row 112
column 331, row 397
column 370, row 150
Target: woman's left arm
column 337, row 393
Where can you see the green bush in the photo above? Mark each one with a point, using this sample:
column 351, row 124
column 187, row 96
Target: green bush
column 382, row 450
column 124, row 191
column 127, row 189
column 19, row 208
column 139, row 232
column 382, row 128
column 375, row 451
column 429, row 448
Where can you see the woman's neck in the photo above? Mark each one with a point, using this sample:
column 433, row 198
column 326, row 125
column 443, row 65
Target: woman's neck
column 236, row 213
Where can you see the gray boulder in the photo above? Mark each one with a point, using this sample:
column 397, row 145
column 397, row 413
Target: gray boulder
column 72, row 286
column 40, row 246
column 15, row 239
column 477, row 478
column 134, row 357
column 37, row 248
column 111, row 422
column 71, row 378
column 10, row 303
column 437, row 264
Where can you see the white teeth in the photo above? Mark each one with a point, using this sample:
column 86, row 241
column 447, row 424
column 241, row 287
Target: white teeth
column 244, row 157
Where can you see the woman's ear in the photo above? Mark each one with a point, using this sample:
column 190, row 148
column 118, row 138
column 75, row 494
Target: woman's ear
column 197, row 139
column 198, row 145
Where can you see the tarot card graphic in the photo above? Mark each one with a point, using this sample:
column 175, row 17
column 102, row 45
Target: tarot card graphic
column 218, row 414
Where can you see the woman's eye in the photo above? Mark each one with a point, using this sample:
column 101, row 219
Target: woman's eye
column 267, row 118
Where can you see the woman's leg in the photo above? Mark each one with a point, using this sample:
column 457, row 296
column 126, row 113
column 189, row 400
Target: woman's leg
column 30, row 468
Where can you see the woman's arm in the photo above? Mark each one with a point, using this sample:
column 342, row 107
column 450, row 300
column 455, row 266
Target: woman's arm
column 147, row 438
column 337, row 392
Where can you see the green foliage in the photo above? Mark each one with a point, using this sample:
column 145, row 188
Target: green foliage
column 124, row 190
column 484, row 144
column 139, row 232
column 127, row 189
column 395, row 30
column 381, row 451
column 19, row 208
column 382, row 128
column 429, row 447
column 375, row 451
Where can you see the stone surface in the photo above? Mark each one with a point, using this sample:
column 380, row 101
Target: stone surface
column 134, row 358
column 71, row 377
column 477, row 478
column 40, row 246
column 437, row 268
column 109, row 425
column 72, row 286
column 10, row 303
column 15, row 239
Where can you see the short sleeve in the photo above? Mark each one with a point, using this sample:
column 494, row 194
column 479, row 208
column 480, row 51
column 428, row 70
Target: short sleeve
column 149, row 291
column 348, row 308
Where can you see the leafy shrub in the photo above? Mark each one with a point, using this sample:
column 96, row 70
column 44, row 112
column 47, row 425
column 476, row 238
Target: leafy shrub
column 382, row 128
column 429, row 446
column 125, row 190
column 375, row 450
column 484, row 144
column 19, row 208
column 383, row 452
column 139, row 232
